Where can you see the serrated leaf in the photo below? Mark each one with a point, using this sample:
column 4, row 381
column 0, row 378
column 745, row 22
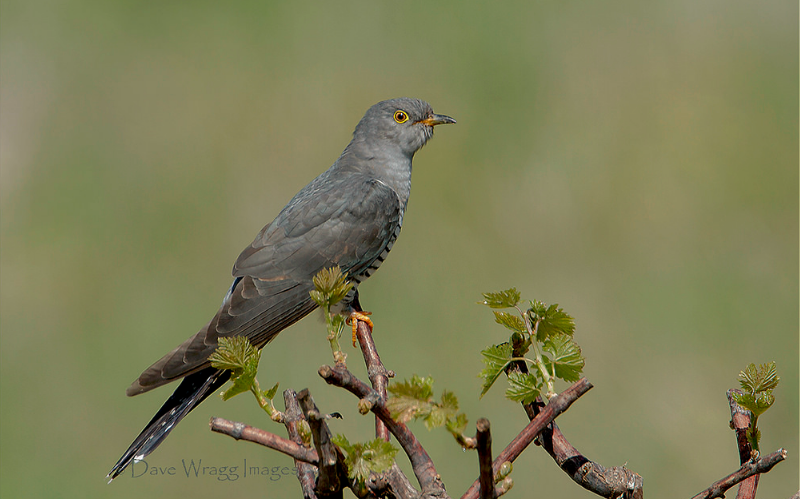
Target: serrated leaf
column 403, row 408
column 746, row 400
column 495, row 359
column 235, row 354
column 565, row 357
column 374, row 456
column 410, row 399
column 764, row 401
column 552, row 320
column 502, row 299
column 523, row 387
column 757, row 380
column 417, row 387
column 457, row 425
column 241, row 358
column 439, row 414
column 239, row 385
column 510, row 321
column 449, row 400
column 757, row 404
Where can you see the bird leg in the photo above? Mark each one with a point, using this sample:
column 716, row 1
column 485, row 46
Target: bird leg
column 353, row 319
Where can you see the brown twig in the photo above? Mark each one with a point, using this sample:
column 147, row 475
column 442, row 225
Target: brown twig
column 740, row 422
column 421, row 463
column 305, row 471
column 748, row 469
column 484, row 438
column 391, row 484
column 241, row 431
column 557, row 405
column 378, row 375
column 328, row 482
column 616, row 482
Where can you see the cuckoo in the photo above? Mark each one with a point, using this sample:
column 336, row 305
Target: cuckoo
column 348, row 216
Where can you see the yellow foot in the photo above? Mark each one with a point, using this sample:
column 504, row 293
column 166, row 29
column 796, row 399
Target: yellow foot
column 353, row 321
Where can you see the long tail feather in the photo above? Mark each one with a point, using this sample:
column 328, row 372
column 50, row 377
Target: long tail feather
column 192, row 390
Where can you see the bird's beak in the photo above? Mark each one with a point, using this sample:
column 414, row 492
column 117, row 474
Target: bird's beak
column 437, row 119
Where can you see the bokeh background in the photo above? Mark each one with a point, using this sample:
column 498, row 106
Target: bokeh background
column 635, row 162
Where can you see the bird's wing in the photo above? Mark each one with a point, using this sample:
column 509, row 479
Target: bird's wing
column 347, row 222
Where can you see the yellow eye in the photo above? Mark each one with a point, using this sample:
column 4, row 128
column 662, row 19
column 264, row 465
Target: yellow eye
column 400, row 116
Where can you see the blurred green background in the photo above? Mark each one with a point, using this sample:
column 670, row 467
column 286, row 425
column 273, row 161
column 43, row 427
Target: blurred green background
column 635, row 162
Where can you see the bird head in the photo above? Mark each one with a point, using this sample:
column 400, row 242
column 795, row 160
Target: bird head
column 404, row 123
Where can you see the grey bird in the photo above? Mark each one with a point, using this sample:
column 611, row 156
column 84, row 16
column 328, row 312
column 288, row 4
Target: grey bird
column 348, row 216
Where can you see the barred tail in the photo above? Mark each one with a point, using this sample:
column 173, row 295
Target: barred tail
column 192, row 390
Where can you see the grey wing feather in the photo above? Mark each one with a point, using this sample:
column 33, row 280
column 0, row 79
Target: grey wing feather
column 346, row 222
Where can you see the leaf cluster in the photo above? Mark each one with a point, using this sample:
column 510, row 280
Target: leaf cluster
column 414, row 399
column 239, row 357
column 756, row 396
column 547, row 331
column 375, row 456
column 331, row 286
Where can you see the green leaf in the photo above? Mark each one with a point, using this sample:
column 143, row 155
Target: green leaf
column 457, row 425
column 495, row 359
column 374, row 456
column 239, row 357
column 240, row 384
column 757, row 404
column 270, row 394
column 502, row 299
column 565, row 357
column 510, row 321
column 552, row 320
column 765, row 378
column 524, row 387
column 410, row 399
column 235, row 354
column 441, row 413
column 417, row 387
column 414, row 400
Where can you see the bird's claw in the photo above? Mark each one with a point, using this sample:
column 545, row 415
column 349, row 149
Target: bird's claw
column 353, row 319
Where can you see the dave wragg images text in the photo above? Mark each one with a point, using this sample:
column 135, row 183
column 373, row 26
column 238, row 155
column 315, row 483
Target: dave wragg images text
column 197, row 469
